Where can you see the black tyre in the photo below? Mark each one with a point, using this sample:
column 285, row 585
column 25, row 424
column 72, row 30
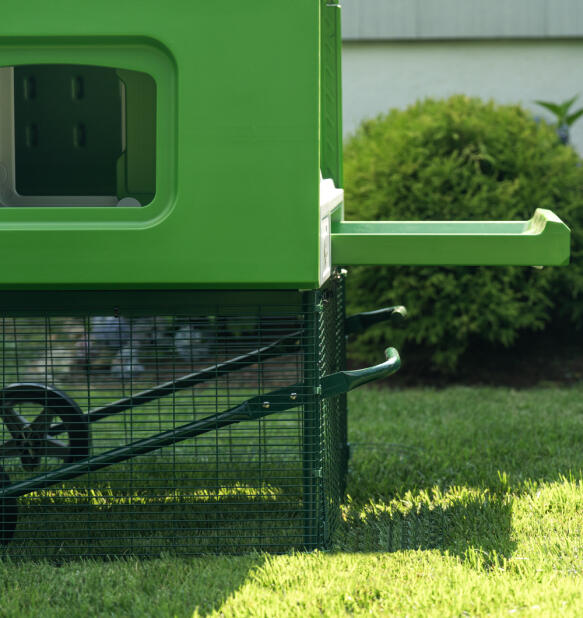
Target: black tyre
column 35, row 436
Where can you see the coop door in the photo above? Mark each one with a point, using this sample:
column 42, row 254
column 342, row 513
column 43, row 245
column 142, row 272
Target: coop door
column 74, row 135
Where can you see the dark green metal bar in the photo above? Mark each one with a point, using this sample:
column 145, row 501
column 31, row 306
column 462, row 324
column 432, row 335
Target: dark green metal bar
column 136, row 303
column 281, row 346
column 310, row 424
column 253, row 409
column 361, row 321
column 306, row 394
column 342, row 399
column 344, row 381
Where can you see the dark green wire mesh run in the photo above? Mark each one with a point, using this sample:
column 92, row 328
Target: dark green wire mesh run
column 138, row 431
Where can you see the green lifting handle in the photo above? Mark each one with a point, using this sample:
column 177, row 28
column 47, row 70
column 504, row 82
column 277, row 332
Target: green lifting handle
column 362, row 321
column 253, row 409
column 344, row 381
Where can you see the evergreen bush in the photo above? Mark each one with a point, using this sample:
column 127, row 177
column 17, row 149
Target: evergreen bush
column 462, row 159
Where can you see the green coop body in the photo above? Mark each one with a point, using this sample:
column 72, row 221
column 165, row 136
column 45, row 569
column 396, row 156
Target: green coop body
column 148, row 145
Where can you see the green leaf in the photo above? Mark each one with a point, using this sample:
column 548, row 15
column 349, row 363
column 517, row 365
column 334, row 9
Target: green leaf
column 552, row 107
column 574, row 116
column 567, row 104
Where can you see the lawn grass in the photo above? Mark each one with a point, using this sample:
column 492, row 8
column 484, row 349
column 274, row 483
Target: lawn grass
column 463, row 501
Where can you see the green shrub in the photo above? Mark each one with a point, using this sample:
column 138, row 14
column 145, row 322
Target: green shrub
column 462, row 159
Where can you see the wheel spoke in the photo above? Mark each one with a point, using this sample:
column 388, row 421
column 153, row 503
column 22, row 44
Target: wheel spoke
column 15, row 423
column 51, row 447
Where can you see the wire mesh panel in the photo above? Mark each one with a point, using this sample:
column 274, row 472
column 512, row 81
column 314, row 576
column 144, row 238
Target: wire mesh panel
column 137, row 431
column 332, row 430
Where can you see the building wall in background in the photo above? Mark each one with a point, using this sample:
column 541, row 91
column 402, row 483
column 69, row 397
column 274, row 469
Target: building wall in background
column 398, row 51
column 438, row 19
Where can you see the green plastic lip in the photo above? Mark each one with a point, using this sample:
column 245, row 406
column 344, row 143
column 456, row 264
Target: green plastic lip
column 543, row 240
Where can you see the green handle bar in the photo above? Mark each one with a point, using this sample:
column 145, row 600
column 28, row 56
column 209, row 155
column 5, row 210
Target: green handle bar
column 362, row 321
column 252, row 409
column 343, row 381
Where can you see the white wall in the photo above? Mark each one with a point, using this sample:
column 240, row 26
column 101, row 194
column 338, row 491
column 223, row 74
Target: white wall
column 470, row 19
column 380, row 75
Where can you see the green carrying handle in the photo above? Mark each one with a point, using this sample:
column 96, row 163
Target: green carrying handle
column 344, row 381
column 253, row 409
column 362, row 321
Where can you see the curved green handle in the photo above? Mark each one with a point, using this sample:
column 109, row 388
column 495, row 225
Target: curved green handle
column 362, row 321
column 344, row 381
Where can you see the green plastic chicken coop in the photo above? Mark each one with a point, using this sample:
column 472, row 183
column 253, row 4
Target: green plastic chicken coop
column 172, row 307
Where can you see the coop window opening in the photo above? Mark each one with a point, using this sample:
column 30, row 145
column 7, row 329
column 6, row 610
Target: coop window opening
column 77, row 135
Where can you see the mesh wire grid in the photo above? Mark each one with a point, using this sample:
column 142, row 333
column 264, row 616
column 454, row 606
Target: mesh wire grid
column 128, row 433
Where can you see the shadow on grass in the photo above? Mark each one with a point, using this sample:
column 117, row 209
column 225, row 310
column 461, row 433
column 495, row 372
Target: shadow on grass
column 68, row 524
column 184, row 539
column 160, row 522
column 467, row 524
column 440, row 469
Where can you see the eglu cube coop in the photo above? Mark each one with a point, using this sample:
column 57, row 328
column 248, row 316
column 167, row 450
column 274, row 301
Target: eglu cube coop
column 172, row 307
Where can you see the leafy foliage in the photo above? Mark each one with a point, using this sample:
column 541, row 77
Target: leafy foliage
column 561, row 111
column 564, row 119
column 462, row 159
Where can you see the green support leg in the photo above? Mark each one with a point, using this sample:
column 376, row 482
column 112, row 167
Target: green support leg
column 310, row 445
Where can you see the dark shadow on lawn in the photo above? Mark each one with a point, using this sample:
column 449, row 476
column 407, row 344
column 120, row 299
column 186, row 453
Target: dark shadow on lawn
column 43, row 540
column 481, row 524
column 489, row 462
column 211, row 542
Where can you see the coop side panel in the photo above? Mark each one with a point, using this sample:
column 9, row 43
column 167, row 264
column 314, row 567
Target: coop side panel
column 237, row 147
